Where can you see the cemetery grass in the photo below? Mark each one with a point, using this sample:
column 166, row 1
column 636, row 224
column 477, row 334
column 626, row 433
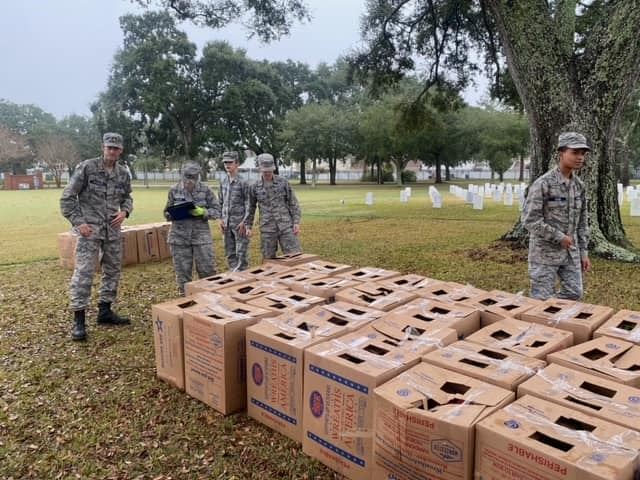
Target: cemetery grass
column 96, row 410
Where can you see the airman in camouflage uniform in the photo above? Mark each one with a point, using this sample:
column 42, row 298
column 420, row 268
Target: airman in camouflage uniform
column 555, row 214
column 96, row 201
column 234, row 204
column 279, row 210
column 190, row 239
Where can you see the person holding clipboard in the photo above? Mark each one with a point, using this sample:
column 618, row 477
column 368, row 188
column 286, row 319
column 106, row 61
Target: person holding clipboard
column 190, row 206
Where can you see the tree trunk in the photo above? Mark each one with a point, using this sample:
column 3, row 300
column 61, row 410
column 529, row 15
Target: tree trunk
column 521, row 175
column 313, row 173
column 447, row 173
column 303, row 172
column 379, row 168
column 438, row 164
column 332, row 171
column 564, row 91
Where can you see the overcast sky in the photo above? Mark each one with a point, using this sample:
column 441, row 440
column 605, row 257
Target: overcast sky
column 56, row 54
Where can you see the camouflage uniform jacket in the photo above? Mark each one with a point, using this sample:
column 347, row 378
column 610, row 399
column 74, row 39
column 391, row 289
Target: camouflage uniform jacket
column 279, row 209
column 93, row 196
column 555, row 207
column 194, row 230
column 234, row 200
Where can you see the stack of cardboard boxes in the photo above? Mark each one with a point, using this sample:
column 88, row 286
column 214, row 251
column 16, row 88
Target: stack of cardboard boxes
column 387, row 376
column 140, row 244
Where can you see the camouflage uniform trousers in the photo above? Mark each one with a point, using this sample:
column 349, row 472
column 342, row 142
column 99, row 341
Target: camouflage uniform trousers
column 184, row 257
column 236, row 248
column 289, row 243
column 543, row 280
column 87, row 254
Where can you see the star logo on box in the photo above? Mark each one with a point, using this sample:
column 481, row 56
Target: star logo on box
column 257, row 374
column 316, row 404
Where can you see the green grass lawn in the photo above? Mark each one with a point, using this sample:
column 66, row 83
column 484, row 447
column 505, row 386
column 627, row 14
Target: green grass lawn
column 96, row 410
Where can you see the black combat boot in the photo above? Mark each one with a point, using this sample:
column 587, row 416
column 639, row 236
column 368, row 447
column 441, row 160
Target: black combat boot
column 79, row 333
column 106, row 316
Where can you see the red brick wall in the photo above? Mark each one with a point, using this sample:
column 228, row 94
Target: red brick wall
column 11, row 182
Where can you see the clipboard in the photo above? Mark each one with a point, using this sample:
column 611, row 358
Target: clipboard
column 180, row 211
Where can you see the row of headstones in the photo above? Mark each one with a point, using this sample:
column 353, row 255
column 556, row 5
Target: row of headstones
column 505, row 193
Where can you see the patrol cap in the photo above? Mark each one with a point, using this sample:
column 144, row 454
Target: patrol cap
column 572, row 140
column 112, row 140
column 191, row 169
column 266, row 163
column 230, row 157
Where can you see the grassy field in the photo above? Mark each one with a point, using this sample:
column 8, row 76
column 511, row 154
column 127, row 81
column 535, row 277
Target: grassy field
column 96, row 410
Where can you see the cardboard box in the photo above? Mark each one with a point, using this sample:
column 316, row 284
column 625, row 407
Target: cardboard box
column 580, row 318
column 496, row 305
column 434, row 314
column 498, row 367
column 162, row 231
column 215, row 354
column 448, row 292
column 408, row 282
column 297, row 275
column 533, row 439
column 425, row 423
column 166, row 319
column 604, row 357
column 243, row 292
column 275, row 364
column 287, row 302
column 293, row 259
column 216, row 282
column 528, row 339
column 325, row 287
column 324, row 267
column 148, row 248
column 586, row 393
column 343, row 313
column 376, row 296
column 368, row 274
column 129, row 238
column 339, row 379
column 624, row 325
column 265, row 271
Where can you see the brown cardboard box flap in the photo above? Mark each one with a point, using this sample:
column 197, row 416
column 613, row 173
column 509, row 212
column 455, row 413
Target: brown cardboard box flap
column 283, row 300
column 365, row 274
column 376, row 296
column 588, row 393
column 566, row 442
column 624, row 325
column 324, row 267
column 500, row 367
column 409, row 281
column 606, row 356
column 402, row 332
column 530, row 339
column 449, row 292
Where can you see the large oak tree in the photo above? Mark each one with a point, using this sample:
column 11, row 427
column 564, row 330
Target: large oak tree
column 574, row 65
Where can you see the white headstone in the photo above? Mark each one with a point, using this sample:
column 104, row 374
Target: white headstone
column 403, row 196
column 408, row 192
column 635, row 207
column 368, row 199
column 508, row 199
column 497, row 195
column 478, row 202
column 620, row 198
column 620, row 187
column 633, row 194
column 481, row 191
column 436, row 198
column 469, row 197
